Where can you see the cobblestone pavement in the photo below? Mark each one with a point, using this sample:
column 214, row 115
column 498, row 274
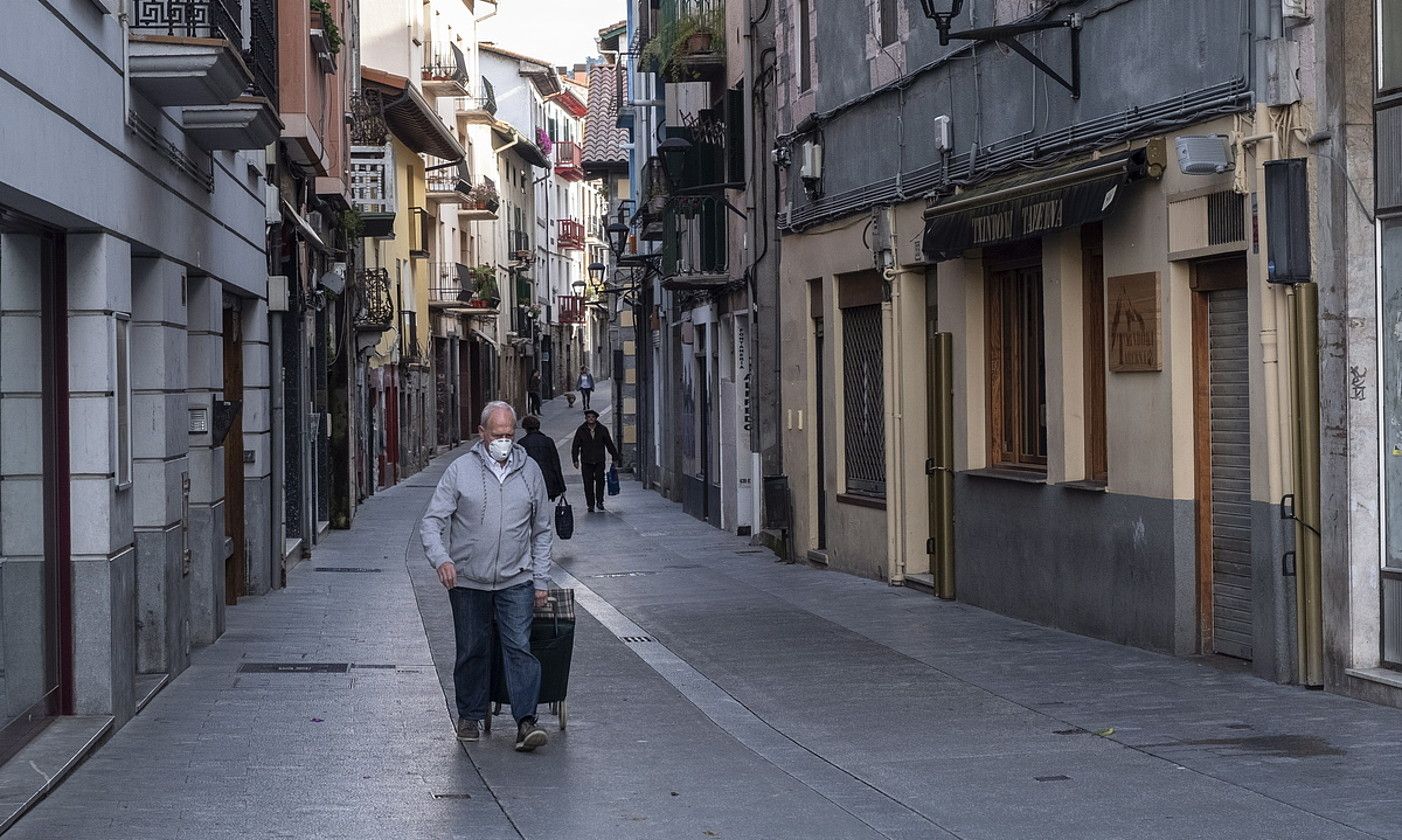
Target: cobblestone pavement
column 716, row 693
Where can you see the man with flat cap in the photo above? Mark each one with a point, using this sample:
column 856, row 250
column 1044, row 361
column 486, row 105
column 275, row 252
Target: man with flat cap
column 591, row 441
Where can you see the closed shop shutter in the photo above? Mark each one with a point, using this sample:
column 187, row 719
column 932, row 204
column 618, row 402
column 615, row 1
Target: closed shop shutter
column 1231, row 473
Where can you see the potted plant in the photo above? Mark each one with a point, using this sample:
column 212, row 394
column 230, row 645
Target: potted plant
column 484, row 197
column 325, row 34
column 485, row 282
column 544, row 141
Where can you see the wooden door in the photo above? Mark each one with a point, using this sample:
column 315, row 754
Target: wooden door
column 235, row 572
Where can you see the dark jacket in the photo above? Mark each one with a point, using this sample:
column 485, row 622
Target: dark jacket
column 589, row 449
column 543, row 451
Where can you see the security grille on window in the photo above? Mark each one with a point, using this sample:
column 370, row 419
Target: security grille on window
column 864, row 399
column 1017, row 376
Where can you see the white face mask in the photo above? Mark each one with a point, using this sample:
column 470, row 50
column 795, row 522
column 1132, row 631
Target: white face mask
column 500, row 448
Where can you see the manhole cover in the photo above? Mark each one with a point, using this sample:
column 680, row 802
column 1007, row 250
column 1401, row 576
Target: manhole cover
column 352, row 569
column 294, row 667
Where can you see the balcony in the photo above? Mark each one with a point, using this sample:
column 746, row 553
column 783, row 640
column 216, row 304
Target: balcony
column 445, row 70
column 571, row 308
column 482, row 202
column 448, row 182
column 689, row 44
column 186, row 52
column 450, row 284
column 569, row 160
column 372, row 189
column 571, row 237
column 518, row 245
column 249, row 122
column 481, row 108
column 376, row 300
column 694, row 248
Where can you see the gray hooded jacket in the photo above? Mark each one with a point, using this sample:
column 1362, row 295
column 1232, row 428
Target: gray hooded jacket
column 499, row 532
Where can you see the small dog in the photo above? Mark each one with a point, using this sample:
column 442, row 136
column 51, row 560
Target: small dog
column 569, row 398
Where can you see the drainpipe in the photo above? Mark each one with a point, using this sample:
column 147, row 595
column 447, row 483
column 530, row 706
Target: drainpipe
column 1308, row 595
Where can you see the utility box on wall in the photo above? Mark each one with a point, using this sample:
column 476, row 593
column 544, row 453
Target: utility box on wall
column 1287, row 221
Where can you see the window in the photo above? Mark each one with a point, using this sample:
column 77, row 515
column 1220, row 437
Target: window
column 123, row 401
column 1093, row 316
column 864, row 400
column 1017, row 377
column 1389, row 45
column 805, row 48
column 889, row 32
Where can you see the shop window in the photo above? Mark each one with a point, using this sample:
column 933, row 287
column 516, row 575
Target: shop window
column 864, row 401
column 1093, row 315
column 123, row 401
column 1017, row 377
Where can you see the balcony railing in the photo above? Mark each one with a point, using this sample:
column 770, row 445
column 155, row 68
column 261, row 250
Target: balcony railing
column 372, row 189
column 420, row 232
column 376, row 312
column 449, row 179
column 190, row 19
column 694, row 248
column 569, row 160
column 445, row 65
column 518, row 244
column 485, row 103
column 571, row 309
column 571, row 236
column 450, row 283
column 261, row 56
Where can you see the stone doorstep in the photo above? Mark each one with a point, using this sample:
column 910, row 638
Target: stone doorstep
column 45, row 761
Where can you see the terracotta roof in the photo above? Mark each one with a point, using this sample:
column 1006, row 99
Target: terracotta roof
column 603, row 139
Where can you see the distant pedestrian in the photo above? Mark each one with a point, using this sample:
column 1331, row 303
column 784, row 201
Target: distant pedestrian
column 533, row 393
column 494, row 505
column 591, row 440
column 542, row 449
column 585, row 385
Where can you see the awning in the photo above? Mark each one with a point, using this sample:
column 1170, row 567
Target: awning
column 411, row 118
column 308, row 232
column 516, row 142
column 1033, row 204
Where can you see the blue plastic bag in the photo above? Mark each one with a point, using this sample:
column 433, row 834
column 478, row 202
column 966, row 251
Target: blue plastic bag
column 611, row 477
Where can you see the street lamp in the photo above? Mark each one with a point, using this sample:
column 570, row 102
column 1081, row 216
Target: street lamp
column 578, row 287
column 674, row 151
column 596, row 271
column 943, row 13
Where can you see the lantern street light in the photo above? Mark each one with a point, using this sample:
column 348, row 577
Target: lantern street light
column 943, row 13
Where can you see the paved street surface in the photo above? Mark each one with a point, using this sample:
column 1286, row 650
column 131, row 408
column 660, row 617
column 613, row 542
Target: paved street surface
column 715, row 693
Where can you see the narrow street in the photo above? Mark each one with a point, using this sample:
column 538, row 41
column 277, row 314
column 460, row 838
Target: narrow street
column 715, row 693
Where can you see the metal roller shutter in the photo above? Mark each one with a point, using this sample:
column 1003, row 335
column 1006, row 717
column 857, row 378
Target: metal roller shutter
column 1231, row 473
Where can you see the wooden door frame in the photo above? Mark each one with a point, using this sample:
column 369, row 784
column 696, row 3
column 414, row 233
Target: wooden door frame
column 1205, row 279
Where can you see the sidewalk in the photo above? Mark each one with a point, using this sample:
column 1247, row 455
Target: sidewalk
column 716, row 693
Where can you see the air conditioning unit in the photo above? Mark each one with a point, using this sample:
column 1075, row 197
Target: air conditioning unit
column 277, row 293
column 1207, row 154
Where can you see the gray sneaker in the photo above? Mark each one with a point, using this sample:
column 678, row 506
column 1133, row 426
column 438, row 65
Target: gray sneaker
column 529, row 735
column 469, row 730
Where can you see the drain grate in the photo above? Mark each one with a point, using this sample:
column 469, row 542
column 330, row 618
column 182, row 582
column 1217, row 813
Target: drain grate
column 637, row 640
column 294, row 667
column 381, row 667
column 1052, row 778
column 353, row 569
column 452, row 796
column 754, row 551
column 624, row 574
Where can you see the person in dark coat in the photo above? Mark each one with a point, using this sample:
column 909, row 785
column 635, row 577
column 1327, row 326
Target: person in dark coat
column 533, row 393
column 591, row 440
column 543, row 451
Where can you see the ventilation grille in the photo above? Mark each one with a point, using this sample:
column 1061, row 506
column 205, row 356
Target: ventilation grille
column 1392, row 617
column 1226, row 218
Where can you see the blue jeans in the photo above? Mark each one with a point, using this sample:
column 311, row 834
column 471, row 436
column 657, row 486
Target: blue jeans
column 473, row 610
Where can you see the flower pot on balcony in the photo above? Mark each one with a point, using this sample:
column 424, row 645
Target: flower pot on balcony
column 321, row 43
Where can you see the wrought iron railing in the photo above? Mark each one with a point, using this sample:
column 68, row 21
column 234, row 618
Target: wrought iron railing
column 450, row 282
column 447, row 176
column 485, row 101
column 694, row 239
column 261, row 55
column 367, row 119
column 376, row 300
column 189, row 19
column 518, row 242
column 445, row 64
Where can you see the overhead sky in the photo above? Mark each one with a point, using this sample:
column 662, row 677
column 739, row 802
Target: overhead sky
column 559, row 31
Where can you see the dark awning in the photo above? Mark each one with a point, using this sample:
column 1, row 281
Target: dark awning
column 411, row 118
column 1031, row 205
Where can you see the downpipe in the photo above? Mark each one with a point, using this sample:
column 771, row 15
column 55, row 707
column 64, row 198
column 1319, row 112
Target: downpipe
column 1308, row 588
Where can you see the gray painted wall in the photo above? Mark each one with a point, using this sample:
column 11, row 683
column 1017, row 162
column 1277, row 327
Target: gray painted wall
column 1133, row 53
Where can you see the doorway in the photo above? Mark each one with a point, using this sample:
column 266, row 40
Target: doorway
column 1222, row 464
column 820, row 430
column 235, row 571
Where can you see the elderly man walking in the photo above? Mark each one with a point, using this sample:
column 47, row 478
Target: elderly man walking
column 495, row 507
